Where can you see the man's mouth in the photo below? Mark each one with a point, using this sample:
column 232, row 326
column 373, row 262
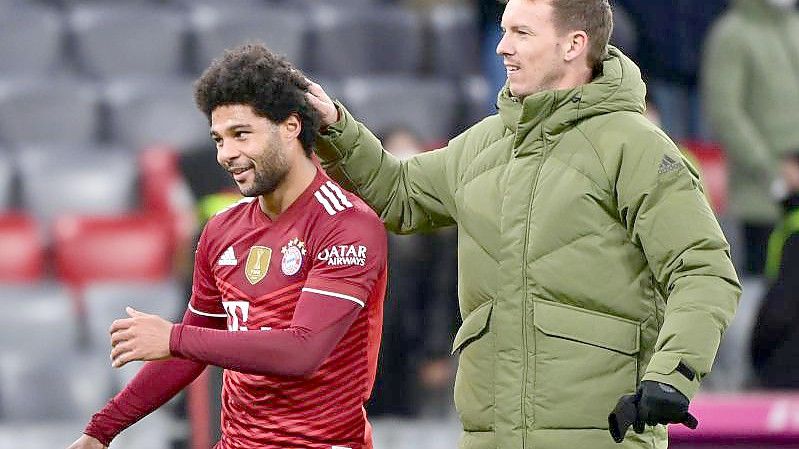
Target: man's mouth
column 511, row 68
column 239, row 172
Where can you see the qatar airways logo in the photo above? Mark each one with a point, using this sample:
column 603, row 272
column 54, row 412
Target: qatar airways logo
column 339, row 255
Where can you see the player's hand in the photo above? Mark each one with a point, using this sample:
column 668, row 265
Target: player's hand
column 320, row 101
column 653, row 403
column 87, row 442
column 140, row 337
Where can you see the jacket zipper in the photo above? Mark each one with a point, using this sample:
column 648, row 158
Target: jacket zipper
column 524, row 280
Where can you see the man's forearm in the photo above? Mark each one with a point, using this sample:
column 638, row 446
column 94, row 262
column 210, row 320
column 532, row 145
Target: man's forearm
column 297, row 351
column 155, row 384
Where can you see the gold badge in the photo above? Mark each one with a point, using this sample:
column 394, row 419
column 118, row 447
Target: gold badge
column 257, row 264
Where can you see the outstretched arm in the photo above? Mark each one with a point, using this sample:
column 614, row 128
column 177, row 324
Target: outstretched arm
column 409, row 196
column 155, row 384
column 318, row 325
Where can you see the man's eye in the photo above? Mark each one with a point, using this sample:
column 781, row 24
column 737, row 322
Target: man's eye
column 240, row 134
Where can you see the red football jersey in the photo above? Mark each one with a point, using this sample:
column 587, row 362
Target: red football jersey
column 252, row 271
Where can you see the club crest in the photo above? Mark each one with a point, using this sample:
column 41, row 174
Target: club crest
column 257, row 264
column 292, row 257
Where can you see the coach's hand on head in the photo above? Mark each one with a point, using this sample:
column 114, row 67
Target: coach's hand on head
column 140, row 337
column 87, row 442
column 322, row 103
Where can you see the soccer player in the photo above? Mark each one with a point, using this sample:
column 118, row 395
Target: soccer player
column 288, row 283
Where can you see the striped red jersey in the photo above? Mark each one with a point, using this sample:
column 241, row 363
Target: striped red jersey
column 252, row 271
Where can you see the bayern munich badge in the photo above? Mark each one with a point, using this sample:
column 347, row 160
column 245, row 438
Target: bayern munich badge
column 292, row 257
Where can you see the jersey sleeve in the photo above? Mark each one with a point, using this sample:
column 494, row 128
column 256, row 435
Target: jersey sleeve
column 205, row 296
column 348, row 259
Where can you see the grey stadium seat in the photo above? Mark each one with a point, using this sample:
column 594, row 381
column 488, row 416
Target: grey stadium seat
column 106, row 302
column 90, row 182
column 221, row 27
column 128, row 40
column 31, row 38
column 6, row 182
column 427, row 106
column 40, row 111
column 357, row 41
column 36, row 318
column 145, row 112
column 455, row 44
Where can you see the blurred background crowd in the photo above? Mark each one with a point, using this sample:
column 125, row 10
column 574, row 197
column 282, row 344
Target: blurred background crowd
column 107, row 175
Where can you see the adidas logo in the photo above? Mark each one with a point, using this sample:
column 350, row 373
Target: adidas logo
column 228, row 258
column 668, row 164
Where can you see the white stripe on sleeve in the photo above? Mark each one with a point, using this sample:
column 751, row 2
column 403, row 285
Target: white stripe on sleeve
column 339, row 194
column 323, row 202
column 334, row 294
column 331, row 197
column 212, row 315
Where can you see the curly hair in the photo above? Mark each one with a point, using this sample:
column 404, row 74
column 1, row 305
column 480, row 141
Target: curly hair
column 252, row 74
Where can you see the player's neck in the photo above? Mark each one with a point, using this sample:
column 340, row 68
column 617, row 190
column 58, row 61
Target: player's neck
column 297, row 180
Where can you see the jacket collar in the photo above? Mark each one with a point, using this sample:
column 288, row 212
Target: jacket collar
column 619, row 87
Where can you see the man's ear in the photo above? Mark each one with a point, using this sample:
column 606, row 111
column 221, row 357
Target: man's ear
column 576, row 45
column 291, row 127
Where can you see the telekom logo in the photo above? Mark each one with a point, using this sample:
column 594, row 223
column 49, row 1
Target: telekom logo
column 237, row 313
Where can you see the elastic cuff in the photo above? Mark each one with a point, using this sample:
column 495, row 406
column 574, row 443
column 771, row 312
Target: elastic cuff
column 91, row 431
column 333, row 143
column 174, row 339
column 664, row 368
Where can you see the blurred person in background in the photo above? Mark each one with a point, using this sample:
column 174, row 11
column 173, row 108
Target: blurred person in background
column 670, row 59
column 751, row 90
column 300, row 264
column 415, row 369
column 775, row 335
column 592, row 271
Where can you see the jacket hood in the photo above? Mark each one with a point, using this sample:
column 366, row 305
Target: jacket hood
column 618, row 88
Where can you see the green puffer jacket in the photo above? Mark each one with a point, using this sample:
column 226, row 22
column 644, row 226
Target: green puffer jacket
column 589, row 258
column 750, row 84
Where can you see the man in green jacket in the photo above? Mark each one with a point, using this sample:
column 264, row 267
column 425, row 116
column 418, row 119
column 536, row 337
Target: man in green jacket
column 591, row 267
column 751, row 91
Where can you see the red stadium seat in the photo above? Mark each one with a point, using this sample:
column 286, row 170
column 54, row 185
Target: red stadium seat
column 122, row 248
column 713, row 169
column 165, row 194
column 22, row 247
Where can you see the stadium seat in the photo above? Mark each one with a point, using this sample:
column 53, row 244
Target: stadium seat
column 118, row 39
column 165, row 194
column 89, row 182
column 46, row 110
column 356, row 40
column 454, row 40
column 427, row 106
column 6, row 181
column 36, row 318
column 146, row 112
column 23, row 248
column 31, row 38
column 106, row 301
column 92, row 249
column 219, row 27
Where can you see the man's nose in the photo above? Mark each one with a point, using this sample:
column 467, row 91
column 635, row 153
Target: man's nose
column 226, row 154
column 503, row 47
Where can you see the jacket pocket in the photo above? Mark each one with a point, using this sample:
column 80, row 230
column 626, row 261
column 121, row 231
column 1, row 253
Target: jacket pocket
column 584, row 361
column 474, row 381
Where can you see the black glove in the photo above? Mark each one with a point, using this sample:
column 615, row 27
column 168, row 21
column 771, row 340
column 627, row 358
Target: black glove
column 653, row 403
